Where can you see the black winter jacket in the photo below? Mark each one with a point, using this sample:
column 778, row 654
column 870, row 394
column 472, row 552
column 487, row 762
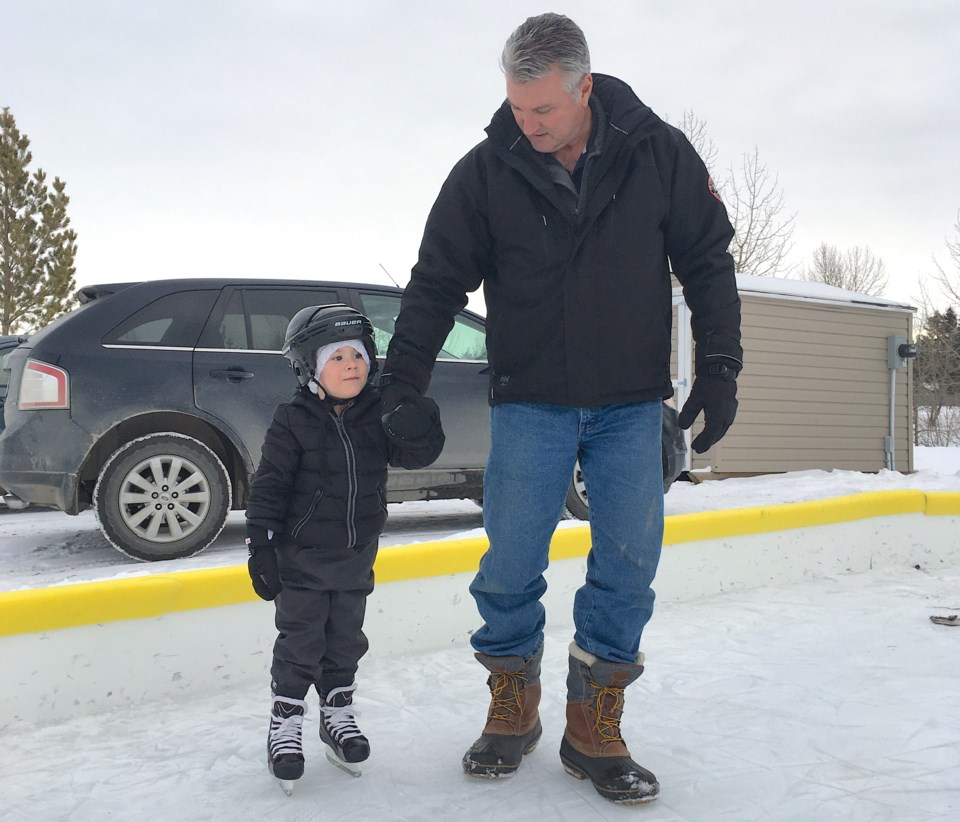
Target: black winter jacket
column 578, row 294
column 322, row 477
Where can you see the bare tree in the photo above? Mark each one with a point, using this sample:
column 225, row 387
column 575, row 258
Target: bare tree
column 937, row 370
column 858, row 269
column 949, row 281
column 764, row 231
column 695, row 130
column 867, row 272
column 755, row 205
column 827, row 265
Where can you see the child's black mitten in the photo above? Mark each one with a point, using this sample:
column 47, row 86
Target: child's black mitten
column 408, row 417
column 262, row 563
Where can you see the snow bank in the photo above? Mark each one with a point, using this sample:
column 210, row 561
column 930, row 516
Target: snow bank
column 91, row 647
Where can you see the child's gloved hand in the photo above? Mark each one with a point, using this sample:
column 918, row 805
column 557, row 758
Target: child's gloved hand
column 262, row 563
column 407, row 416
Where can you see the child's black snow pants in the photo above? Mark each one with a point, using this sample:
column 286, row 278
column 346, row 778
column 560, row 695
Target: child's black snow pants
column 319, row 617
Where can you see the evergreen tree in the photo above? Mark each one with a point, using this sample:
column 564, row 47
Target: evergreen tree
column 936, row 377
column 37, row 245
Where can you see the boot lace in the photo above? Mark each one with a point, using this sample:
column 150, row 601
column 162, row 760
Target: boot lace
column 505, row 688
column 609, row 711
column 286, row 728
column 341, row 720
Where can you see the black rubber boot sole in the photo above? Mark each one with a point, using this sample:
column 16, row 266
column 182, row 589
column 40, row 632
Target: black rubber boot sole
column 618, row 779
column 494, row 756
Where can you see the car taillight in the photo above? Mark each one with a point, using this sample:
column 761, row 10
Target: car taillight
column 43, row 386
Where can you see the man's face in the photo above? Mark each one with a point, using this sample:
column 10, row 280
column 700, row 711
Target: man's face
column 549, row 117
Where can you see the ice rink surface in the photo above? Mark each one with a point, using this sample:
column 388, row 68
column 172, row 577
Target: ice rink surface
column 835, row 699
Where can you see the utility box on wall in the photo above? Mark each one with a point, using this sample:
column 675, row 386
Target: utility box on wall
column 815, row 391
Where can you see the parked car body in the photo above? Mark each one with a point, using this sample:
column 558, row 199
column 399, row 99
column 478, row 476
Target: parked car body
column 151, row 400
column 7, row 344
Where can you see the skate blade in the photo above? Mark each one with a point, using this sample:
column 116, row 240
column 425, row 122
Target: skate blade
column 286, row 786
column 352, row 768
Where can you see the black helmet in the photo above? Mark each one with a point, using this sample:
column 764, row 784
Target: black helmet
column 318, row 325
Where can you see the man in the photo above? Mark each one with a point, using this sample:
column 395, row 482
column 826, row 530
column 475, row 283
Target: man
column 571, row 214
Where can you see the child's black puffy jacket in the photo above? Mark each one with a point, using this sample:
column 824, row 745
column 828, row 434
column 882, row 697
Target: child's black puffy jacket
column 322, row 477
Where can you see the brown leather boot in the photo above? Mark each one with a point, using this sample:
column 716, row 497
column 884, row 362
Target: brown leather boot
column 513, row 721
column 592, row 747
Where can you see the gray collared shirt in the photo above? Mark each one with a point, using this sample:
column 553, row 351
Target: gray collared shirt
column 571, row 183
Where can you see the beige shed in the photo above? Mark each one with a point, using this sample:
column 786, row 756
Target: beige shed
column 818, row 389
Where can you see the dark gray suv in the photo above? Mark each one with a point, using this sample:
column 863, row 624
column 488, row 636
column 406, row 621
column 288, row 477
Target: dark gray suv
column 7, row 344
column 151, row 400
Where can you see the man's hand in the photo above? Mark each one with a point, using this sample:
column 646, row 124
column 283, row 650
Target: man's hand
column 407, row 416
column 262, row 563
column 715, row 394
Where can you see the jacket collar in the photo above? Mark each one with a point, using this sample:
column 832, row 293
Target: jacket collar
column 322, row 408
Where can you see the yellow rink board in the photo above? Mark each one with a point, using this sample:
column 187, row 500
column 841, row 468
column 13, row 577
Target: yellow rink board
column 89, row 603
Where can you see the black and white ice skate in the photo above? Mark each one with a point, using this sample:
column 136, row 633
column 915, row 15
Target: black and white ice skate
column 346, row 746
column 285, row 741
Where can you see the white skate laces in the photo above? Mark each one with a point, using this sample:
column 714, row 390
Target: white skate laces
column 286, row 726
column 341, row 720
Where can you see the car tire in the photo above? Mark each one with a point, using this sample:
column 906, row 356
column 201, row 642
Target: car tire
column 162, row 496
column 576, row 505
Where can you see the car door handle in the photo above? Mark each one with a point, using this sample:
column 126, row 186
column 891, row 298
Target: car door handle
column 232, row 374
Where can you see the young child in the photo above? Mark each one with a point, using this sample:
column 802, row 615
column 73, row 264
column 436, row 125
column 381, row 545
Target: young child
column 316, row 510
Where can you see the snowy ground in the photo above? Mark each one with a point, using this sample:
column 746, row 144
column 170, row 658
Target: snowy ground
column 831, row 700
column 44, row 547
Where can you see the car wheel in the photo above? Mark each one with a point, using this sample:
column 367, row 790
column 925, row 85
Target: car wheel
column 162, row 496
column 672, row 452
column 576, row 506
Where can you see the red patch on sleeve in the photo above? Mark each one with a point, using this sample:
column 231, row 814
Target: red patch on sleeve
column 713, row 189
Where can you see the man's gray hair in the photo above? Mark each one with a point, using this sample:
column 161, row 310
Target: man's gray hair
column 542, row 42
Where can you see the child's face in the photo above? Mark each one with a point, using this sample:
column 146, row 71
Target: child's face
column 345, row 373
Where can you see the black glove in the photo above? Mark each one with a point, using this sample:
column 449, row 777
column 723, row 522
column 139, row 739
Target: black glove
column 715, row 393
column 407, row 416
column 262, row 563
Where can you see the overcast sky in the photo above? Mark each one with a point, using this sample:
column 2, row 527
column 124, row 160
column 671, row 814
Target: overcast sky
column 309, row 138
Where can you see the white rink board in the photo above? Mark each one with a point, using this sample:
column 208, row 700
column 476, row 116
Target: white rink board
column 55, row 675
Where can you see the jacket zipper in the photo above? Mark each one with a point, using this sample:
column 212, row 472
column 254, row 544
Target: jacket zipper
column 313, row 507
column 582, row 197
column 351, row 480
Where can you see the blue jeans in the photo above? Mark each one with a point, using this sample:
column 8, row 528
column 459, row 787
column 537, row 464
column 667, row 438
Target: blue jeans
column 533, row 449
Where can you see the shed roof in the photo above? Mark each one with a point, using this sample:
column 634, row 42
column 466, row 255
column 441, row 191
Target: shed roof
column 804, row 290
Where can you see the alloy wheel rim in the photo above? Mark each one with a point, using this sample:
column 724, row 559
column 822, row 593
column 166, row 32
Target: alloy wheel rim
column 164, row 498
column 579, row 486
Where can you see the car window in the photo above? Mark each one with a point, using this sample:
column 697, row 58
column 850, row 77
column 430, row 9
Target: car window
column 256, row 319
column 171, row 321
column 467, row 339
column 4, row 372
